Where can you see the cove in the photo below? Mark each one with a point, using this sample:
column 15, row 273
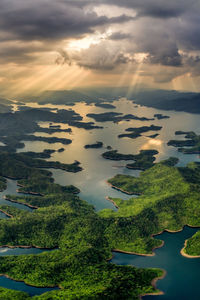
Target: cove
column 182, row 278
column 19, row 251
column 21, row 286
column 11, row 189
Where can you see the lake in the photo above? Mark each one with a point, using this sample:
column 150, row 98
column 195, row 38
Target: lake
column 181, row 281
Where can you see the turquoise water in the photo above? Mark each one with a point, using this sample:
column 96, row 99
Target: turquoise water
column 182, row 278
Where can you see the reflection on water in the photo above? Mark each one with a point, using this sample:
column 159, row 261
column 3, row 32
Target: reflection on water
column 92, row 180
column 182, row 278
column 11, row 190
column 19, row 251
column 181, row 281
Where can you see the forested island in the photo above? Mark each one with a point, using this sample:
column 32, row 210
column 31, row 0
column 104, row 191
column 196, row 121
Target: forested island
column 115, row 117
column 192, row 142
column 79, row 264
column 192, row 246
column 142, row 161
column 20, row 126
column 169, row 199
column 136, row 132
column 94, row 146
column 105, row 105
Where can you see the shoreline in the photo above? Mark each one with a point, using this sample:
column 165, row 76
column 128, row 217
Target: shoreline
column 7, row 214
column 39, row 287
column 162, row 244
column 15, row 201
column 112, row 201
column 121, row 190
column 27, row 247
column 182, row 252
column 152, row 235
column 153, row 283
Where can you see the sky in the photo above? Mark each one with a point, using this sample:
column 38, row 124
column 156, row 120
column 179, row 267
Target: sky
column 64, row 44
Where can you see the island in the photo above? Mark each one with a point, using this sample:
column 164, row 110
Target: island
column 105, row 105
column 168, row 200
column 61, row 150
column 161, row 116
column 136, row 132
column 94, row 146
column 142, row 161
column 192, row 142
column 153, row 136
column 79, row 264
column 115, row 117
column 192, row 246
column 20, row 126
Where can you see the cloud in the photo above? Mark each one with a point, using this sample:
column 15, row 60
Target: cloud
column 63, row 58
column 101, row 57
column 117, row 36
column 45, row 19
column 161, row 9
column 165, row 34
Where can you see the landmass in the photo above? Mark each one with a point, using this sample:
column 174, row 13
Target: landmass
column 161, row 116
column 192, row 246
column 192, row 142
column 95, row 145
column 153, row 136
column 136, row 132
column 168, row 100
column 160, row 99
column 168, row 200
column 62, row 221
column 115, row 117
column 105, row 105
column 142, row 161
column 18, row 126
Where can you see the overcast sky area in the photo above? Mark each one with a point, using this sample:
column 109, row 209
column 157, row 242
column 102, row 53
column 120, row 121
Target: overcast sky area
column 48, row 44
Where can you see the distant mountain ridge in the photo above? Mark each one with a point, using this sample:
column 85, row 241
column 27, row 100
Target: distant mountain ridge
column 170, row 100
column 160, row 99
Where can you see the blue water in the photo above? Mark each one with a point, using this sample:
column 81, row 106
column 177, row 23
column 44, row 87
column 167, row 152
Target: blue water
column 21, row 286
column 181, row 281
column 19, row 251
column 11, row 190
column 182, row 278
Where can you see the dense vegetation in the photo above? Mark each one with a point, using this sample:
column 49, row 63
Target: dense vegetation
column 95, row 145
column 136, row 132
column 79, row 264
column 192, row 142
column 115, row 117
column 20, row 165
column 160, row 99
column 193, row 245
column 2, row 183
column 168, row 100
column 169, row 199
column 17, row 127
column 142, row 161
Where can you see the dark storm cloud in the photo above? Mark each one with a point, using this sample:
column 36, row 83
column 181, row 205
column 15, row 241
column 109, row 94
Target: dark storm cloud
column 152, row 8
column 117, row 36
column 45, row 19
